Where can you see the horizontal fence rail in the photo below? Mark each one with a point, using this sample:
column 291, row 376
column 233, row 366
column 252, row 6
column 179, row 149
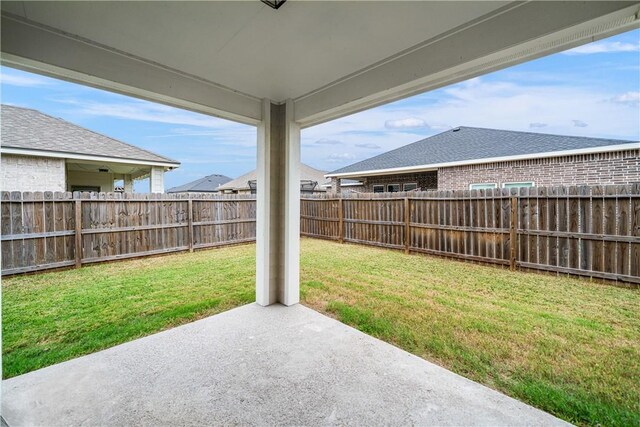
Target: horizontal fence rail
column 51, row 230
column 587, row 231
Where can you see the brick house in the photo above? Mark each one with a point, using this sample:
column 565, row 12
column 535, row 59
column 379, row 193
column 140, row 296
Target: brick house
column 44, row 153
column 474, row 158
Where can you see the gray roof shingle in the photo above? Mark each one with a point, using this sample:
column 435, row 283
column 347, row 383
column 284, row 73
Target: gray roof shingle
column 469, row 143
column 32, row 130
column 208, row 184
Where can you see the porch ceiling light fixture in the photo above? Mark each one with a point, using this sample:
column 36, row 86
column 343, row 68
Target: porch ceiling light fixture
column 274, row 4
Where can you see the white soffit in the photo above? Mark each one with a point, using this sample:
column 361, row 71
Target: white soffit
column 249, row 47
column 331, row 58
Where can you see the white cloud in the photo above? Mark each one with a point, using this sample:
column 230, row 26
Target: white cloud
column 480, row 103
column 23, row 80
column 326, row 141
column 340, row 157
column 146, row 111
column 408, row 123
column 603, row 47
column 579, row 124
column 631, row 98
column 368, row 145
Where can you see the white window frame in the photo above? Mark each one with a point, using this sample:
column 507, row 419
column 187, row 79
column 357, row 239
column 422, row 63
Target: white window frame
column 533, row 184
column 409, row 183
column 399, row 188
column 378, row 185
column 495, row 185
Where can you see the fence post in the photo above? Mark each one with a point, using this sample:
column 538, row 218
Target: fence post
column 78, row 233
column 512, row 233
column 407, row 225
column 340, row 221
column 190, row 223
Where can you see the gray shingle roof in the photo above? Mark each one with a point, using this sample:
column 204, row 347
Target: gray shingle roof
column 208, row 184
column 30, row 129
column 468, row 143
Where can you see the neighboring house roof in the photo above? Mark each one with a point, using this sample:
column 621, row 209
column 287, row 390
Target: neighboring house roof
column 24, row 129
column 466, row 145
column 306, row 173
column 208, row 184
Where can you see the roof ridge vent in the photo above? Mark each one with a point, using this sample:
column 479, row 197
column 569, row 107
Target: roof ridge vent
column 455, row 129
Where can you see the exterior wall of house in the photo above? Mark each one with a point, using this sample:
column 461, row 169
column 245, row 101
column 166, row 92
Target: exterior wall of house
column 620, row 167
column 104, row 180
column 27, row 173
column 156, row 180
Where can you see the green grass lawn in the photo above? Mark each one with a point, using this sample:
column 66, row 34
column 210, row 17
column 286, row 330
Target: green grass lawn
column 569, row 347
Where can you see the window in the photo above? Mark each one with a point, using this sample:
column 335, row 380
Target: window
column 482, row 186
column 393, row 188
column 378, row 188
column 410, row 187
column 518, row 184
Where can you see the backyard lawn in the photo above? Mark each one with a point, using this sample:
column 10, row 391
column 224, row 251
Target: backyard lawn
column 566, row 346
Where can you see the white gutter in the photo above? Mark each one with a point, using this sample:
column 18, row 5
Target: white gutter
column 87, row 157
column 435, row 166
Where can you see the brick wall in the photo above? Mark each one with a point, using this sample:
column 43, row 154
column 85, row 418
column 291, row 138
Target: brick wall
column 620, row 167
column 25, row 173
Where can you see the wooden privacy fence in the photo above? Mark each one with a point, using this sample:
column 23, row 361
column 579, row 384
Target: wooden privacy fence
column 45, row 230
column 587, row 231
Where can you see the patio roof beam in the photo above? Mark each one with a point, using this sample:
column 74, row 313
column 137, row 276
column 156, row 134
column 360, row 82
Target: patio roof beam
column 519, row 33
column 33, row 47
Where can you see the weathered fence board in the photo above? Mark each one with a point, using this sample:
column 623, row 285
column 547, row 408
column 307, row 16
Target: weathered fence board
column 42, row 231
column 588, row 231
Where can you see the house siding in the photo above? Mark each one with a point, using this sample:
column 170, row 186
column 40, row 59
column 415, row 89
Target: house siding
column 621, row 167
column 26, row 173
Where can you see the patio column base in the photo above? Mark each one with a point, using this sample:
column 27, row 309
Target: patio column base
column 278, row 206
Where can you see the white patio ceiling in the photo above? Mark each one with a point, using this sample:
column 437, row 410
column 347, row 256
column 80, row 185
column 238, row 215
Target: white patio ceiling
column 330, row 58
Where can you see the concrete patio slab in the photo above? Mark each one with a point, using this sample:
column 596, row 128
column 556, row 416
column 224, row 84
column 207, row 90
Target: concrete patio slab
column 257, row 366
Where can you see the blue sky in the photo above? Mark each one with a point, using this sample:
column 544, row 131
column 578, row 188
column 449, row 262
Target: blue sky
column 593, row 90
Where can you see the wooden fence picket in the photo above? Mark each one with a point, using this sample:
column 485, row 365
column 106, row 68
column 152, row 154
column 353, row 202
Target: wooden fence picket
column 588, row 231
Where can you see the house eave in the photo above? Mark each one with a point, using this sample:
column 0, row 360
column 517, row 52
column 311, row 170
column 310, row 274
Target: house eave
column 436, row 166
column 86, row 157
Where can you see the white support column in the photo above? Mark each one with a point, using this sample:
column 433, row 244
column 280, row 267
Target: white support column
column 278, row 206
column 156, row 179
column 128, row 183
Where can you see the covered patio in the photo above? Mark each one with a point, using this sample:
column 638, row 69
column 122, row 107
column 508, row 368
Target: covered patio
column 281, row 70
